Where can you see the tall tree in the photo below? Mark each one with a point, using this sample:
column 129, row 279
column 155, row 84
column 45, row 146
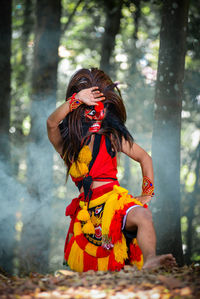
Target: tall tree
column 21, row 72
column 191, row 211
column 7, row 226
column 167, row 126
column 27, row 28
column 5, row 69
column 112, row 26
column 37, row 228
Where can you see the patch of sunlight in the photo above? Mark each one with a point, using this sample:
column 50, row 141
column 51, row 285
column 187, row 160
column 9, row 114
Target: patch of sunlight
column 146, row 10
column 26, row 125
column 154, row 44
column 143, row 62
column 63, row 52
column 63, row 20
column 184, row 171
column 22, row 171
column 198, row 229
column 188, row 60
column 19, row 226
column 12, row 130
column 141, row 36
column 132, row 8
column 80, row 58
column 190, row 181
column 64, row 66
column 149, row 56
column 184, row 247
column 126, row 12
column 22, row 165
column 195, row 138
column 121, row 57
column 124, row 66
column 184, row 224
column 185, row 114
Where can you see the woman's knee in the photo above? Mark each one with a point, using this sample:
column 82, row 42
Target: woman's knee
column 137, row 216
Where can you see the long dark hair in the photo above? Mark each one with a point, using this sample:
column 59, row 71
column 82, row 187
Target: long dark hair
column 74, row 128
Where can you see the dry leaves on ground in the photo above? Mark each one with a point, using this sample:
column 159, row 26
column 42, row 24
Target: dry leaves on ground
column 129, row 283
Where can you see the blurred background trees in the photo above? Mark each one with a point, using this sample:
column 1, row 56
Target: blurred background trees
column 49, row 41
column 167, row 125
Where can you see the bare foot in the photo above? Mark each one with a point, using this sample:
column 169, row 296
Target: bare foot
column 165, row 260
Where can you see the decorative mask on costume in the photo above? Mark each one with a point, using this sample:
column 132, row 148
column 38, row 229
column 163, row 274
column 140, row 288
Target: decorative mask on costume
column 95, row 113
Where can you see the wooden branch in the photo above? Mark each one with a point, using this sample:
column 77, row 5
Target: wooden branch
column 71, row 16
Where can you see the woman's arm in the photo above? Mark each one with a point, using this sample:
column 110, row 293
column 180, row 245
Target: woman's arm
column 53, row 130
column 140, row 155
column 89, row 96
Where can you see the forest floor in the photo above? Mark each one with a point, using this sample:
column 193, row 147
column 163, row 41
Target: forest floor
column 129, row 283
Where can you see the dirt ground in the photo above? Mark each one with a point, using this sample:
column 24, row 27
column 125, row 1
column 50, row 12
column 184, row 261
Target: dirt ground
column 129, row 283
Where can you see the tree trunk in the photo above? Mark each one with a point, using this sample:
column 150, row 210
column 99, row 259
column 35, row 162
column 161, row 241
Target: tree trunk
column 190, row 215
column 7, row 220
column 136, row 15
column 22, row 73
column 112, row 26
column 5, row 70
column 167, row 126
column 37, row 228
column 26, row 31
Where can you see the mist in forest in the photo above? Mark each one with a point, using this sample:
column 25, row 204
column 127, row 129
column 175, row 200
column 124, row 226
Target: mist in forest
column 48, row 41
column 20, row 214
column 29, row 205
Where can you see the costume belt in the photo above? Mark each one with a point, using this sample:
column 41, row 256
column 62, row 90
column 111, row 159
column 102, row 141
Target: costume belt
column 73, row 207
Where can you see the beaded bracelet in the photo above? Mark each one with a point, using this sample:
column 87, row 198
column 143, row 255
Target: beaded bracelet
column 147, row 187
column 74, row 103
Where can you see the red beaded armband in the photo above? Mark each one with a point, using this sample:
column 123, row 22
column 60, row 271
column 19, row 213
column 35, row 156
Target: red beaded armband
column 147, row 187
column 74, row 103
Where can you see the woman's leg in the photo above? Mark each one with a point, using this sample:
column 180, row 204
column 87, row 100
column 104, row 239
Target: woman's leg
column 140, row 219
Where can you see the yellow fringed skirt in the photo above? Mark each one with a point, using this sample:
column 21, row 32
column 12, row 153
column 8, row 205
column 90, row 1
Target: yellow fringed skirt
column 95, row 239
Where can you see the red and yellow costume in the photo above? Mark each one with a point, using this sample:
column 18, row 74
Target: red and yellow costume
column 95, row 240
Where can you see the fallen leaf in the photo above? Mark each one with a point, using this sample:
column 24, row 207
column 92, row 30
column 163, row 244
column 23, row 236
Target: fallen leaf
column 64, row 273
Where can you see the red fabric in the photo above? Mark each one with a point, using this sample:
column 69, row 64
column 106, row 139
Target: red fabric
column 135, row 253
column 90, row 262
column 72, row 207
column 104, row 166
column 72, row 210
column 113, row 265
column 101, row 190
column 81, row 241
column 101, row 252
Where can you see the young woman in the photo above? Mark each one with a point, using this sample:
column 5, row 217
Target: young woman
column 108, row 226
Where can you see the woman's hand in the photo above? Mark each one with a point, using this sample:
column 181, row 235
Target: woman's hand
column 90, row 96
column 144, row 198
